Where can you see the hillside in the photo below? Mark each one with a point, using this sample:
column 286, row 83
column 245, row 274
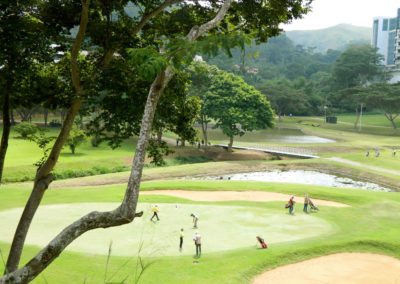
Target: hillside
column 336, row 37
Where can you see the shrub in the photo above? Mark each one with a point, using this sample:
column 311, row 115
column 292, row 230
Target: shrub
column 156, row 150
column 76, row 137
column 26, row 129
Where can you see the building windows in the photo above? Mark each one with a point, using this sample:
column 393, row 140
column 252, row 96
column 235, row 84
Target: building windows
column 392, row 24
column 385, row 25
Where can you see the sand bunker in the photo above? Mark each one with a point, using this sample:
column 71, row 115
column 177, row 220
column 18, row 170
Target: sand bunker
column 236, row 195
column 337, row 268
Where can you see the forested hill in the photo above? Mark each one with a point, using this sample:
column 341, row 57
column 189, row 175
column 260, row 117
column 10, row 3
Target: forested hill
column 336, row 37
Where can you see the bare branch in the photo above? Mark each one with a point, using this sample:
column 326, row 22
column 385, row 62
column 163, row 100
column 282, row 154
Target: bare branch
column 196, row 32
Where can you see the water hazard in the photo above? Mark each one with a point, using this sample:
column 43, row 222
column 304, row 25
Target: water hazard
column 301, row 177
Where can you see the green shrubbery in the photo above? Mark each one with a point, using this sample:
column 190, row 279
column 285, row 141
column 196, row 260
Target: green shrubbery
column 97, row 170
column 26, row 129
column 68, row 173
column 190, row 160
column 76, row 137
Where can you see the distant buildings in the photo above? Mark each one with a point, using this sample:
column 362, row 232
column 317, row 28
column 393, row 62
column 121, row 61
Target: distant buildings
column 386, row 37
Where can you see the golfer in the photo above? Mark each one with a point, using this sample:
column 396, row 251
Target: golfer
column 306, row 202
column 181, row 235
column 197, row 242
column 155, row 211
column 290, row 205
column 195, row 220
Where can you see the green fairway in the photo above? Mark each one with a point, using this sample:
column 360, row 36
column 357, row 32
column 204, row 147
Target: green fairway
column 222, row 228
column 356, row 228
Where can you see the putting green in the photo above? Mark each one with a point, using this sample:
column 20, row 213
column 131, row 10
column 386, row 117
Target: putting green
column 221, row 228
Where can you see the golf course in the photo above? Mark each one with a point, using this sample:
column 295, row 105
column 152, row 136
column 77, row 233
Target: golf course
column 353, row 226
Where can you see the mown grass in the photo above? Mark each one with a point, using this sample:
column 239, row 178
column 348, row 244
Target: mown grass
column 369, row 225
column 371, row 124
column 88, row 160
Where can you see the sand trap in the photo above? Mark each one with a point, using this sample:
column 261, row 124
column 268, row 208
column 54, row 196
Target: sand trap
column 237, row 195
column 363, row 268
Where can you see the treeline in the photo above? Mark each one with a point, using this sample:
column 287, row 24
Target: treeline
column 300, row 81
column 294, row 78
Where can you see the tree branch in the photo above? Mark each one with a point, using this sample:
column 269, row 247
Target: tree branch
column 43, row 177
column 144, row 20
column 126, row 212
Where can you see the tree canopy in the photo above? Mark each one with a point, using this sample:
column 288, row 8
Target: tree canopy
column 236, row 106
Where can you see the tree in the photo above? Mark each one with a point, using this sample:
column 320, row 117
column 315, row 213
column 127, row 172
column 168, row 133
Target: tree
column 51, row 12
column 201, row 75
column 385, row 97
column 255, row 18
column 156, row 150
column 354, row 97
column 356, row 66
column 285, row 98
column 236, row 106
column 76, row 137
column 23, row 41
column 177, row 111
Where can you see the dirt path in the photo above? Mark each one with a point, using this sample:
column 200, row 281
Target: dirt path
column 355, row 268
column 236, row 195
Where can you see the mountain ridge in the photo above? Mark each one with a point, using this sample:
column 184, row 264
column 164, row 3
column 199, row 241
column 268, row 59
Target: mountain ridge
column 334, row 37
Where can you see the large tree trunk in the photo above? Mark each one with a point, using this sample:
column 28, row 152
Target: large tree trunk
column 393, row 124
column 357, row 118
column 42, row 181
column 391, row 118
column 159, row 135
column 126, row 212
column 204, row 128
column 43, row 176
column 230, row 143
column 6, row 130
column 45, row 116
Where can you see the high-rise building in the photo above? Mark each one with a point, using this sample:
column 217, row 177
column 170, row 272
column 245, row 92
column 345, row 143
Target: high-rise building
column 385, row 37
column 397, row 40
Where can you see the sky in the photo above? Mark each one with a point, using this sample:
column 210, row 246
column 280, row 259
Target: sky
column 327, row 13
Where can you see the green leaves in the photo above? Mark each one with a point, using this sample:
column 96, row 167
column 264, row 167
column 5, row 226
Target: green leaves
column 357, row 65
column 235, row 106
column 148, row 62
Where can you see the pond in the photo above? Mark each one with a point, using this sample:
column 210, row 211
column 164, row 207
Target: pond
column 300, row 177
column 275, row 135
